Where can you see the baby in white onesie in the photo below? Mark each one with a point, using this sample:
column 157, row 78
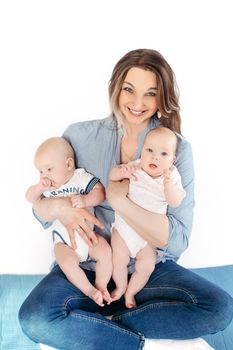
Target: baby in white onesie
column 55, row 162
column 154, row 184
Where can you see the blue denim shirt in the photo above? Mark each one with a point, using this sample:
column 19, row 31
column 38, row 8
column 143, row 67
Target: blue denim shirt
column 97, row 149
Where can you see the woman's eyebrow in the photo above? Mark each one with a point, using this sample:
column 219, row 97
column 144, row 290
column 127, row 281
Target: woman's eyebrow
column 126, row 82
column 151, row 88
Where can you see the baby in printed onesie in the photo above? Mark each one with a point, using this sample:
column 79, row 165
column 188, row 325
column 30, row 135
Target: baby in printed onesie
column 154, row 184
column 54, row 159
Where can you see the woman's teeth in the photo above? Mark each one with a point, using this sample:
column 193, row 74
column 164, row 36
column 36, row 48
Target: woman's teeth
column 135, row 112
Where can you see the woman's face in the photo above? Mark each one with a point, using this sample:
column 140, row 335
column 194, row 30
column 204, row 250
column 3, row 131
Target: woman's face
column 137, row 99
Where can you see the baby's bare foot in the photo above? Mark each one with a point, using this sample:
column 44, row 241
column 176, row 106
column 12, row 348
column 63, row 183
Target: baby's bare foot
column 117, row 293
column 96, row 295
column 130, row 301
column 106, row 296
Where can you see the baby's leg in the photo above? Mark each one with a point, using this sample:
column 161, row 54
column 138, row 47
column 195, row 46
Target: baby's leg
column 69, row 263
column 120, row 258
column 102, row 253
column 144, row 266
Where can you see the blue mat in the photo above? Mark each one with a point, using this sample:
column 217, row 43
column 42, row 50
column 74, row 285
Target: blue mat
column 223, row 277
column 13, row 291
column 15, row 288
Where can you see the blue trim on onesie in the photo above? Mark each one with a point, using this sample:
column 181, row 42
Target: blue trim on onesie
column 54, row 232
column 91, row 184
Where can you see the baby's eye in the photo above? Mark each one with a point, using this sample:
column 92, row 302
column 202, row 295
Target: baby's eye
column 149, row 150
column 49, row 169
column 164, row 154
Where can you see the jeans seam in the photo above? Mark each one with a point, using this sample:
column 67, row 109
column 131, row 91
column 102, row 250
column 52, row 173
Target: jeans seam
column 67, row 300
column 191, row 296
column 142, row 308
column 108, row 324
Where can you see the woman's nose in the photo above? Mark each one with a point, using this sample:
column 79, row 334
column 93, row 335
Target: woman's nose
column 137, row 103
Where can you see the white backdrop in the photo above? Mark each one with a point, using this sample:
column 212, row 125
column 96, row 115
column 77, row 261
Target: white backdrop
column 56, row 59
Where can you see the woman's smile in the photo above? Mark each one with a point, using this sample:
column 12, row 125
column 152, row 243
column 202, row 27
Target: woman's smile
column 137, row 100
column 136, row 113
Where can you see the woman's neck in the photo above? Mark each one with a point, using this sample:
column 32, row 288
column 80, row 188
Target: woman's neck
column 130, row 140
column 129, row 145
column 132, row 131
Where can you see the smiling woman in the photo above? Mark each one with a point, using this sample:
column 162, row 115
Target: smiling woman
column 137, row 102
column 175, row 303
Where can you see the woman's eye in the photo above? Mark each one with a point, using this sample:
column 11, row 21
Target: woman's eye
column 153, row 94
column 128, row 89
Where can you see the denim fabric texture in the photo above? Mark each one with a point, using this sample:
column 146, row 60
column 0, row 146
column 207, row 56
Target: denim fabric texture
column 176, row 303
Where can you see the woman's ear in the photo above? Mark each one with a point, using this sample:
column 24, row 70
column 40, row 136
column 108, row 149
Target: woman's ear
column 70, row 163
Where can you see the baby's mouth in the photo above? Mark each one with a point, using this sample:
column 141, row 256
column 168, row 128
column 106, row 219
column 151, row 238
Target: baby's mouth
column 152, row 166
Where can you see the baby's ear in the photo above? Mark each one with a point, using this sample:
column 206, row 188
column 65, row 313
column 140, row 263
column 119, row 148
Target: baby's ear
column 174, row 159
column 70, row 163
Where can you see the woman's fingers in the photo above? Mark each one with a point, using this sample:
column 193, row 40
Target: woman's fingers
column 87, row 234
column 78, row 221
column 84, row 229
column 72, row 238
column 84, row 236
column 91, row 218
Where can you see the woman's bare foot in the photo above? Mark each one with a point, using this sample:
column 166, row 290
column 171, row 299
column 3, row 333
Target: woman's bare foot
column 130, row 301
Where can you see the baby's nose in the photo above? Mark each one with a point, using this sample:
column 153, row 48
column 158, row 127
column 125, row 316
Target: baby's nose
column 44, row 175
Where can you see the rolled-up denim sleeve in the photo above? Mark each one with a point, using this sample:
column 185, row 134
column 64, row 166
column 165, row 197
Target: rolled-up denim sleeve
column 181, row 218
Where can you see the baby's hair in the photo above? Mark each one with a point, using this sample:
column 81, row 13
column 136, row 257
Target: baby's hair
column 59, row 144
column 166, row 132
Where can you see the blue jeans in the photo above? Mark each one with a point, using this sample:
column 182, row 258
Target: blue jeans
column 175, row 304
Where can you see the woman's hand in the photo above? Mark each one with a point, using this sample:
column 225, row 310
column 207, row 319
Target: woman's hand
column 77, row 219
column 116, row 191
column 50, row 209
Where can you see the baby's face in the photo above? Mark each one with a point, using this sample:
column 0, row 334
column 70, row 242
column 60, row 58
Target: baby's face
column 54, row 167
column 158, row 154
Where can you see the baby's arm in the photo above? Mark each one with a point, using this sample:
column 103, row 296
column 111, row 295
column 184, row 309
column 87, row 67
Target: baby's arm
column 123, row 171
column 173, row 194
column 91, row 199
column 34, row 192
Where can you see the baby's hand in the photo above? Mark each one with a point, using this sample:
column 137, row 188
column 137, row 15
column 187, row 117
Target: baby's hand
column 128, row 171
column 167, row 175
column 45, row 184
column 78, row 201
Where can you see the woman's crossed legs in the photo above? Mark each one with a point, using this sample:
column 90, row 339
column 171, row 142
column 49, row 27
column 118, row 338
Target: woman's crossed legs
column 175, row 304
